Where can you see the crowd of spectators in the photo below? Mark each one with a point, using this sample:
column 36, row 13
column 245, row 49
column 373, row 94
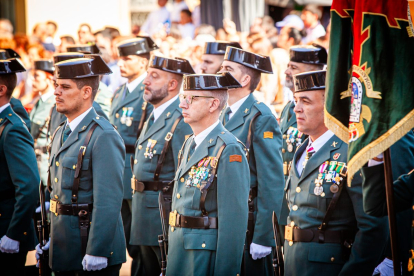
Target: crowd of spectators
column 178, row 33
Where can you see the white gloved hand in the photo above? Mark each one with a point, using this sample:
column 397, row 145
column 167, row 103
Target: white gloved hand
column 8, row 245
column 47, row 206
column 39, row 251
column 372, row 162
column 94, row 263
column 259, row 251
column 385, row 268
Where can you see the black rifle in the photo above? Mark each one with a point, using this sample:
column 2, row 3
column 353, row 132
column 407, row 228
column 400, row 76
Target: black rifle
column 164, row 202
column 278, row 264
column 43, row 229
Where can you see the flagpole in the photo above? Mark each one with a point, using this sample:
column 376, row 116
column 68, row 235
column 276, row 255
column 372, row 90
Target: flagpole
column 391, row 212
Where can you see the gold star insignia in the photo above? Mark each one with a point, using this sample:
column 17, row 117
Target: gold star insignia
column 84, row 127
column 168, row 114
column 1, row 120
column 211, row 140
column 246, row 110
column 334, row 144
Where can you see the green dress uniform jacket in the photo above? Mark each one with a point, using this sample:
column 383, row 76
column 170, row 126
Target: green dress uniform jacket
column 104, row 98
column 18, row 174
column 145, row 210
column 100, row 184
column 307, row 210
column 57, row 118
column 122, row 100
column 19, row 110
column 211, row 251
column 38, row 117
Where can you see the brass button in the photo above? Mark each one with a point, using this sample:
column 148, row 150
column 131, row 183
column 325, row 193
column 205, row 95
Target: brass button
column 322, row 194
column 172, row 229
column 112, row 253
column 294, row 207
column 198, row 186
column 135, row 161
column 56, row 180
column 25, row 233
column 57, row 163
column 117, row 115
column 10, row 114
column 178, row 196
column 74, row 167
column 292, row 223
column 203, row 245
column 154, row 151
column 290, row 243
column 298, row 189
column 56, row 197
column 332, row 259
column 97, row 117
column 140, row 147
column 284, row 136
column 182, row 179
column 283, row 150
column 0, row 215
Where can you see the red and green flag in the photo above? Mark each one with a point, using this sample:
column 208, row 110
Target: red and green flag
column 370, row 78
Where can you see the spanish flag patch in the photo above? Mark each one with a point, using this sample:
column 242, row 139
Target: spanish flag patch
column 235, row 158
column 268, row 135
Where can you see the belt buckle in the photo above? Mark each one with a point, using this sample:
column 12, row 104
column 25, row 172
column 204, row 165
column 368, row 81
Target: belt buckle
column 173, row 219
column 53, row 207
column 168, row 136
column 289, row 233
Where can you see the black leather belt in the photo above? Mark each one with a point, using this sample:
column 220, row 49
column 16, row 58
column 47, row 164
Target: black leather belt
column 177, row 220
column 295, row 234
column 8, row 194
column 130, row 149
column 69, row 209
column 140, row 186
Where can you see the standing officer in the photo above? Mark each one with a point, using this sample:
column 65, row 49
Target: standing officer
column 156, row 155
column 39, row 116
column 128, row 113
column 57, row 118
column 211, row 186
column 253, row 123
column 213, row 55
column 328, row 232
column 15, row 103
column 86, row 189
column 19, row 178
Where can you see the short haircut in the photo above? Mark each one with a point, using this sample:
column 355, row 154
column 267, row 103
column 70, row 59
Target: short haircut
column 296, row 34
column 93, row 82
column 52, row 23
column 86, row 25
column 187, row 12
column 10, row 81
column 221, row 95
column 313, row 9
column 68, row 39
column 255, row 76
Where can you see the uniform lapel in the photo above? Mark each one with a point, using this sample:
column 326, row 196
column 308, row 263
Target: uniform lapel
column 130, row 97
column 203, row 149
column 74, row 136
column 322, row 155
column 239, row 117
column 284, row 126
column 297, row 156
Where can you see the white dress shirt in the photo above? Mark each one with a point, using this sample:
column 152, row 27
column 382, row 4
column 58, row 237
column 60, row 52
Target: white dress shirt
column 4, row 107
column 133, row 84
column 234, row 107
column 202, row 135
column 75, row 122
column 317, row 145
column 159, row 110
column 156, row 20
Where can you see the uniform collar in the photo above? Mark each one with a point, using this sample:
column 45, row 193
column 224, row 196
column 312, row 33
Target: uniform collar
column 2, row 108
column 159, row 110
column 234, row 107
column 202, row 135
column 75, row 122
column 318, row 143
column 133, row 84
column 47, row 95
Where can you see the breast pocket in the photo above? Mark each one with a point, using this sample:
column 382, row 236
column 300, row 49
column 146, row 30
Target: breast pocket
column 68, row 172
column 319, row 199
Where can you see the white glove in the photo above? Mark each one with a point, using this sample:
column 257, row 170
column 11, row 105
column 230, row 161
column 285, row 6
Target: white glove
column 8, row 245
column 372, row 162
column 259, row 251
column 47, row 206
column 385, row 268
column 40, row 251
column 94, row 263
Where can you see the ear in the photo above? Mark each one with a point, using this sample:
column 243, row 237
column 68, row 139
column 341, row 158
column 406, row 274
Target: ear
column 245, row 80
column 3, row 90
column 86, row 92
column 172, row 85
column 214, row 105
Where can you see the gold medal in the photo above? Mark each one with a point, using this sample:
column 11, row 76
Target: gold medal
column 334, row 188
column 128, row 121
column 290, row 147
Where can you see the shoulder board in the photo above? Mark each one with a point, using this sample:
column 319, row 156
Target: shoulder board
column 102, row 122
column 227, row 137
column 263, row 108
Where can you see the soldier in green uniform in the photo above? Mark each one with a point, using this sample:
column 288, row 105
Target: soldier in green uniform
column 328, row 232
column 128, row 113
column 213, row 55
column 19, row 178
column 39, row 116
column 254, row 124
column 156, row 155
column 57, row 118
column 86, row 190
column 211, row 186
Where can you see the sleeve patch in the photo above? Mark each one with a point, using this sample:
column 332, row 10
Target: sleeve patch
column 235, row 158
column 268, row 135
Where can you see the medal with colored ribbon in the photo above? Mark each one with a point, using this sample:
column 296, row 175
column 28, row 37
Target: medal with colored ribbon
column 149, row 150
column 129, row 118
column 291, row 139
column 299, row 139
column 191, row 175
column 336, row 179
column 124, row 113
column 318, row 190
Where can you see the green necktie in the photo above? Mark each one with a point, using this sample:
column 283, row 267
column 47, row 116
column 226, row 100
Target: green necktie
column 66, row 133
column 227, row 115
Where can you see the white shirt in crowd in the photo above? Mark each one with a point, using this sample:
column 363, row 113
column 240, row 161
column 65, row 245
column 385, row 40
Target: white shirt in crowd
column 156, row 20
column 176, row 10
column 314, row 33
column 187, row 30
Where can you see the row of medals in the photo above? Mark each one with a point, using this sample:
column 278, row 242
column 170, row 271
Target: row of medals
column 292, row 135
column 199, row 173
column 126, row 118
column 332, row 174
column 149, row 150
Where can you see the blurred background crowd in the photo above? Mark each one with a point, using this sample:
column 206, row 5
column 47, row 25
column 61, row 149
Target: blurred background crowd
column 180, row 28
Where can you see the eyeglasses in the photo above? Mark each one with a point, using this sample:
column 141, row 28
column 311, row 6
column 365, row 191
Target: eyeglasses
column 189, row 98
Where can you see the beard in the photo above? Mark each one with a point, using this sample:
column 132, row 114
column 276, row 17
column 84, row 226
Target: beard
column 289, row 82
column 156, row 96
